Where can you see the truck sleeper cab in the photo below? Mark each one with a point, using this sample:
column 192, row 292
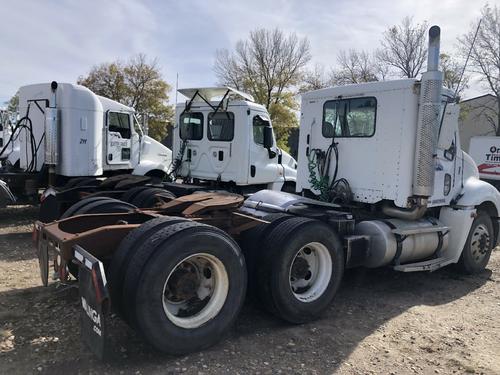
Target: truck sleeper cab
column 66, row 131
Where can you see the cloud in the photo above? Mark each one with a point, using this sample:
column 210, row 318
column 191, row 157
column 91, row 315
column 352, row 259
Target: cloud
column 60, row 40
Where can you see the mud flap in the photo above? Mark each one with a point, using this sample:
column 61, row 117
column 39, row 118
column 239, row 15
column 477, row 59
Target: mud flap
column 94, row 301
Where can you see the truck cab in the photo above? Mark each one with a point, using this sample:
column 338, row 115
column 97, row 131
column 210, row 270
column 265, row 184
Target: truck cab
column 9, row 151
column 65, row 131
column 92, row 135
column 374, row 129
column 222, row 135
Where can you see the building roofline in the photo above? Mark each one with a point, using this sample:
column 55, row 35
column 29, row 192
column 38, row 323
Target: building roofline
column 477, row 97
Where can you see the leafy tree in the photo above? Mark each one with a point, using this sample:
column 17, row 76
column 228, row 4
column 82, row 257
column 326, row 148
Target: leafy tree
column 484, row 60
column 404, row 48
column 268, row 65
column 13, row 103
column 137, row 83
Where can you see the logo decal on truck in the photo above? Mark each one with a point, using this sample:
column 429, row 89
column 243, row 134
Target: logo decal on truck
column 494, row 154
column 93, row 315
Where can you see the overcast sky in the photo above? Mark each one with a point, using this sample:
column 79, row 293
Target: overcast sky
column 61, row 39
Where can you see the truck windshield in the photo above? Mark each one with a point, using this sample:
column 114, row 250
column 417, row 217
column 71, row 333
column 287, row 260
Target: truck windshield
column 221, row 126
column 191, row 126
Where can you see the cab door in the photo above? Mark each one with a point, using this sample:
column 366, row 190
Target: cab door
column 263, row 163
column 118, row 138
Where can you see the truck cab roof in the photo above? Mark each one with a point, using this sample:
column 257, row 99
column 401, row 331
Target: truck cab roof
column 70, row 95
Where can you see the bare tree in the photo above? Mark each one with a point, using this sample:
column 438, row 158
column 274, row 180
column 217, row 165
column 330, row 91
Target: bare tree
column 404, row 48
column 315, row 79
column 354, row 67
column 485, row 55
column 452, row 71
column 266, row 64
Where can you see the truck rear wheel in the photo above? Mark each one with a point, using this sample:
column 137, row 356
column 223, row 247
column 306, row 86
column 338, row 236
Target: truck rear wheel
column 479, row 244
column 300, row 269
column 148, row 198
column 94, row 205
column 131, row 193
column 106, row 206
column 71, row 211
column 81, row 181
column 126, row 249
column 251, row 245
column 191, row 290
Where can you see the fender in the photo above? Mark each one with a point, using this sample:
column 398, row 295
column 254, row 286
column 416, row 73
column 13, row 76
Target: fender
column 476, row 192
column 147, row 165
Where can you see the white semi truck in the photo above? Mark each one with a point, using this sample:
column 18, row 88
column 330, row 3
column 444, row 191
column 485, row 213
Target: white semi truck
column 226, row 139
column 485, row 150
column 382, row 182
column 69, row 135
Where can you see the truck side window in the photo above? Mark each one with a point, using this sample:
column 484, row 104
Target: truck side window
column 119, row 122
column 191, row 126
column 350, row 117
column 259, row 123
column 221, row 126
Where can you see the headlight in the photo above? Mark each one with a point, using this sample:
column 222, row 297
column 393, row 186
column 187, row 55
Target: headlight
column 447, row 184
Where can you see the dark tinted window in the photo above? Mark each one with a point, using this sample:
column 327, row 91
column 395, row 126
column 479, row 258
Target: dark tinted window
column 221, row 126
column 349, row 117
column 191, row 126
column 120, row 123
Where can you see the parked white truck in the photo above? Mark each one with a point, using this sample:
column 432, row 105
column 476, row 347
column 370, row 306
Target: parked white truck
column 382, row 182
column 485, row 150
column 69, row 135
column 223, row 137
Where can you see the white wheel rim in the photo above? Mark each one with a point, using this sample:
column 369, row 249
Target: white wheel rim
column 195, row 290
column 480, row 243
column 310, row 272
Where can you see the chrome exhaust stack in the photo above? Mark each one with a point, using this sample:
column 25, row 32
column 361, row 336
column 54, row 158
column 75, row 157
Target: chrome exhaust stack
column 428, row 120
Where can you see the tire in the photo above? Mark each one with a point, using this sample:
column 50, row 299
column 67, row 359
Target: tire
column 137, row 263
column 130, row 194
column 87, row 181
column 250, row 243
column 106, row 206
column 126, row 249
column 184, row 250
column 96, row 205
column 73, row 182
column 147, row 198
column 71, row 211
column 299, row 269
column 479, row 245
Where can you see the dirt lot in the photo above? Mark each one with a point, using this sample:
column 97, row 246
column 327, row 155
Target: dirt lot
column 381, row 322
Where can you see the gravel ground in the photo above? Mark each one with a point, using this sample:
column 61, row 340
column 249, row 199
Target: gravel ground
column 381, row 322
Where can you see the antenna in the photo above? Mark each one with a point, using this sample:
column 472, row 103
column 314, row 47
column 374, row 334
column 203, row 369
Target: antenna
column 176, row 87
column 467, row 59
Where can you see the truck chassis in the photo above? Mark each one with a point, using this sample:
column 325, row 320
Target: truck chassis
column 95, row 243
